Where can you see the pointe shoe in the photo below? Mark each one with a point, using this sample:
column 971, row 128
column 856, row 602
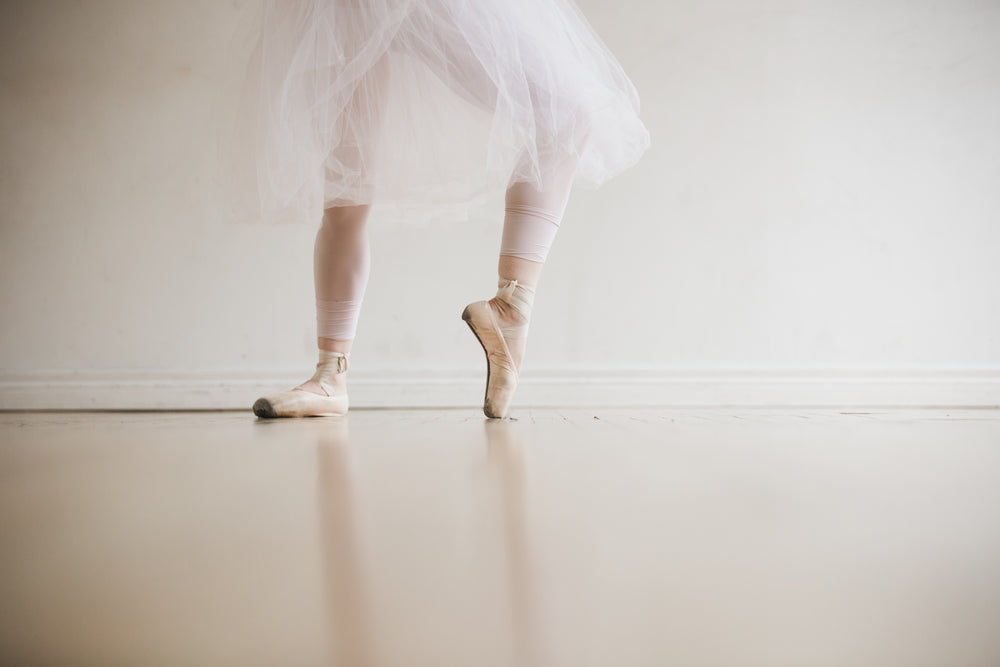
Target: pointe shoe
column 501, row 371
column 300, row 402
column 501, row 374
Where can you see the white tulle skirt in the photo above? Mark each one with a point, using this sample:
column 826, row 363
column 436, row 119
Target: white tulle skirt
column 425, row 104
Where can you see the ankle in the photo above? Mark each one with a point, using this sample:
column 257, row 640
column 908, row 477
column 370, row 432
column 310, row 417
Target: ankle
column 516, row 295
column 330, row 376
column 333, row 362
column 333, row 345
column 512, row 305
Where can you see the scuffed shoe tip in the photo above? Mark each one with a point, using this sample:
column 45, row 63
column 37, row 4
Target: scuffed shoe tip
column 263, row 409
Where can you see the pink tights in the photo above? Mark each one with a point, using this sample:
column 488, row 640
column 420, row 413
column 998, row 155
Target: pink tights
column 342, row 257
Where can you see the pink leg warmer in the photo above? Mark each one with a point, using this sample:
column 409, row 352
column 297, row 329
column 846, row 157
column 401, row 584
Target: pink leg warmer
column 532, row 216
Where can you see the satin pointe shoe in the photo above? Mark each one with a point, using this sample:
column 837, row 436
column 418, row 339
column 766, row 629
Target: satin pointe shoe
column 300, row 402
column 501, row 371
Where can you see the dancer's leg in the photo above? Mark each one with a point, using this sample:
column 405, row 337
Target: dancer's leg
column 341, row 262
column 531, row 220
column 341, row 258
column 341, row 265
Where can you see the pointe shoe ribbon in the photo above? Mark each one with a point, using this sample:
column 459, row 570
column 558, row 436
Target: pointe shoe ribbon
column 330, row 364
column 520, row 298
column 300, row 402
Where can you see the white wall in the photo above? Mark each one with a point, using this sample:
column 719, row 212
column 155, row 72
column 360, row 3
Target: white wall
column 816, row 223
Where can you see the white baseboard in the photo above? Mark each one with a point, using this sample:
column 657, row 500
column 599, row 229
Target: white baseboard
column 605, row 388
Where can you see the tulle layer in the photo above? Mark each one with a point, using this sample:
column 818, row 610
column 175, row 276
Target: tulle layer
column 424, row 103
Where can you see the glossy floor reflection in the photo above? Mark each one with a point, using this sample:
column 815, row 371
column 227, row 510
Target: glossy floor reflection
column 568, row 537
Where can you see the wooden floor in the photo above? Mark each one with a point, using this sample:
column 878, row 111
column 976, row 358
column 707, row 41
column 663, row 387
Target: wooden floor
column 568, row 537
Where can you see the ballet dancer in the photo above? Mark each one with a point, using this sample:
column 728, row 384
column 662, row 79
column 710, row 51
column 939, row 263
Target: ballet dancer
column 343, row 83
